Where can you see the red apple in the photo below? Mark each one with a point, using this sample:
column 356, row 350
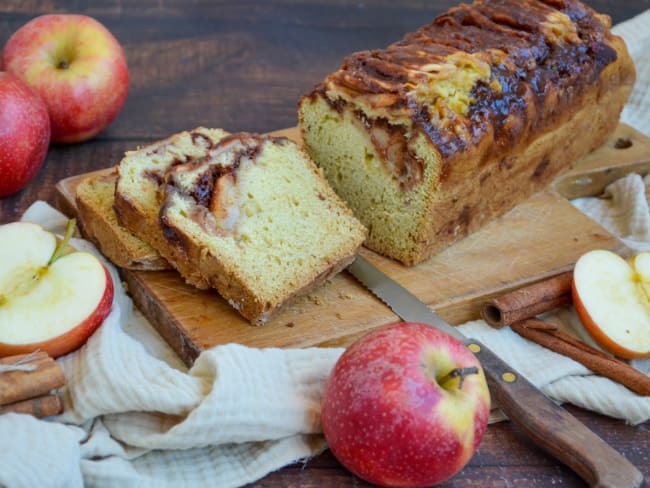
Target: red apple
column 612, row 299
column 24, row 134
column 405, row 405
column 77, row 67
column 48, row 301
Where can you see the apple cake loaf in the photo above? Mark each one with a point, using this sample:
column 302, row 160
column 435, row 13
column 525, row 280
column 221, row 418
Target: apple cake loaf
column 257, row 218
column 452, row 126
column 98, row 222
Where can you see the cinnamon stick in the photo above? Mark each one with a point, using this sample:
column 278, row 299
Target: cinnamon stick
column 528, row 301
column 21, row 379
column 42, row 406
column 549, row 336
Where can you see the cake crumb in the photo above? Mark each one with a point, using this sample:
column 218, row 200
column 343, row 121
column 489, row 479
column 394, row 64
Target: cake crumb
column 290, row 324
column 315, row 299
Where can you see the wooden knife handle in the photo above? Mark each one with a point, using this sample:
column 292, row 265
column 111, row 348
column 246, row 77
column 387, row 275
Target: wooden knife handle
column 554, row 429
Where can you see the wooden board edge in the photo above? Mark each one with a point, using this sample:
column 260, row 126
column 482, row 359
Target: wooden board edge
column 592, row 174
column 171, row 331
column 593, row 182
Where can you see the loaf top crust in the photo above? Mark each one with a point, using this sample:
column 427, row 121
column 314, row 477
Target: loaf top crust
column 495, row 73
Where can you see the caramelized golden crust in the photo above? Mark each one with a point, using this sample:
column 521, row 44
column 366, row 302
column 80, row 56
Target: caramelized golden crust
column 455, row 108
column 502, row 70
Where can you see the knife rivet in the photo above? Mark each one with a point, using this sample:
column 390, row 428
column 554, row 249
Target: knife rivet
column 509, row 377
column 474, row 347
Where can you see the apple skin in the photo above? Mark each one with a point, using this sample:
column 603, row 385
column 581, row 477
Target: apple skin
column 24, row 134
column 388, row 420
column 74, row 338
column 610, row 297
column 77, row 67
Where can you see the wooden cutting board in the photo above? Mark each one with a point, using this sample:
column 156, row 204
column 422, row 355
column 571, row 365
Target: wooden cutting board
column 539, row 238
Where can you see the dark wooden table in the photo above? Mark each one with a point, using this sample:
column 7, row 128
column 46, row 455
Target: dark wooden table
column 242, row 65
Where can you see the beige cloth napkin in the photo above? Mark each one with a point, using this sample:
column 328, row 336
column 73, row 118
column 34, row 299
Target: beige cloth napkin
column 135, row 416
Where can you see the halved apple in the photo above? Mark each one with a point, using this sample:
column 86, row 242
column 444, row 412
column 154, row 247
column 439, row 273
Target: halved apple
column 611, row 298
column 50, row 299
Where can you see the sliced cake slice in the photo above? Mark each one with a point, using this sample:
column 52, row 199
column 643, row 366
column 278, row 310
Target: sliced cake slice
column 98, row 222
column 138, row 192
column 259, row 222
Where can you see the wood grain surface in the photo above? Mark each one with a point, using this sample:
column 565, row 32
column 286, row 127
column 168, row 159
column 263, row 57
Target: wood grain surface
column 541, row 237
column 242, row 66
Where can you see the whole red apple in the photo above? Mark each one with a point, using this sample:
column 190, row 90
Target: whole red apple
column 24, row 134
column 405, row 405
column 77, row 67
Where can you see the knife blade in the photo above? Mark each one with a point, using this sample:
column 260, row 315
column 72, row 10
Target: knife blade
column 547, row 424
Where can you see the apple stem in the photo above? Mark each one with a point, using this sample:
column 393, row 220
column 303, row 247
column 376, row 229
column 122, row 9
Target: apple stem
column 459, row 373
column 63, row 64
column 61, row 247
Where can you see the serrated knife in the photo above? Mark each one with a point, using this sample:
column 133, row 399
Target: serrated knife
column 547, row 424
